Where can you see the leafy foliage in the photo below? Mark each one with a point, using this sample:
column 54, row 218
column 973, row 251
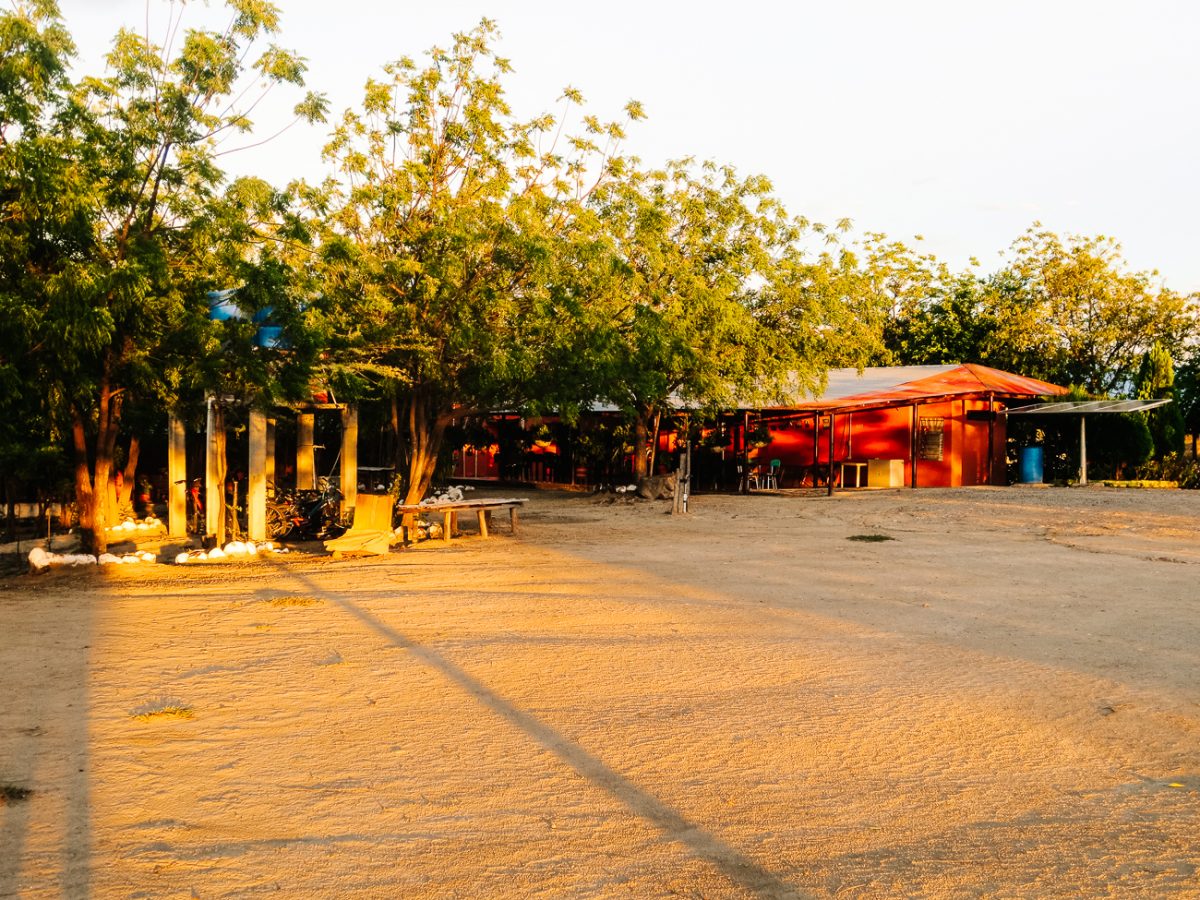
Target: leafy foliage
column 114, row 223
column 445, row 229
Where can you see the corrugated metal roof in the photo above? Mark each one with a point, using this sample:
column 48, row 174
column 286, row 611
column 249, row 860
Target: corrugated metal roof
column 884, row 386
column 1087, row 406
column 888, row 385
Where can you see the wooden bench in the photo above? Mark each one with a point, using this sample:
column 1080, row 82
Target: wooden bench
column 450, row 511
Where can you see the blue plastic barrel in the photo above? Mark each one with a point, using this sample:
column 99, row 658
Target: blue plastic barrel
column 1030, row 469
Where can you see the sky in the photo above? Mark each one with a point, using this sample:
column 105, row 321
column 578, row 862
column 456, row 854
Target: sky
column 961, row 122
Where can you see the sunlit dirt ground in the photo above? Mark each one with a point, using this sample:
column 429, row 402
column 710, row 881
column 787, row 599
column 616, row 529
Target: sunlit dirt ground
column 1003, row 701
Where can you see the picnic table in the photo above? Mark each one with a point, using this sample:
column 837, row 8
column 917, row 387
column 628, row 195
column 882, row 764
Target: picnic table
column 451, row 509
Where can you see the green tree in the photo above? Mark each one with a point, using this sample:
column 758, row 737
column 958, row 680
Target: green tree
column 112, row 195
column 1156, row 380
column 1078, row 316
column 446, row 227
column 1063, row 310
column 688, row 301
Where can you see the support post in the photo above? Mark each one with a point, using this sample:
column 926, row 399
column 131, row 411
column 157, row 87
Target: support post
column 305, row 463
column 256, row 490
column 214, row 472
column 269, row 467
column 176, row 478
column 816, row 463
column 349, row 471
column 744, row 453
column 1083, row 449
column 991, row 399
column 913, row 440
column 832, row 427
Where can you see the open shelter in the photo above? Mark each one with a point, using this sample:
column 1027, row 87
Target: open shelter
column 925, row 426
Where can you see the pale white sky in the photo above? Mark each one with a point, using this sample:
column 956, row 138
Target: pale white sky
column 959, row 120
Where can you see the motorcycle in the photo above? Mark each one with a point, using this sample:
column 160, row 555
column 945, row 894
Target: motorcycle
column 306, row 515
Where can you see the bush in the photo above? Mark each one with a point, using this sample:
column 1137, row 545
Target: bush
column 1186, row 472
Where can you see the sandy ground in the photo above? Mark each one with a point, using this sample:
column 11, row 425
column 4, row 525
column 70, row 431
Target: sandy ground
column 1004, row 701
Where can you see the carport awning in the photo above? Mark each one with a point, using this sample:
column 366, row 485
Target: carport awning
column 1086, row 406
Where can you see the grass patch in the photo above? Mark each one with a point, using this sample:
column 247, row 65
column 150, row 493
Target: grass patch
column 162, row 708
column 870, row 538
column 13, row 793
column 1144, row 484
column 294, row 601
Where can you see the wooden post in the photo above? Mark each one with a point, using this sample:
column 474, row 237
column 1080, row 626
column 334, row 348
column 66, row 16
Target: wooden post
column 269, row 467
column 349, row 459
column 483, row 523
column 1083, row 449
column 304, row 452
column 832, row 423
column 744, row 454
column 816, row 464
column 214, row 470
column 176, row 478
column 991, row 399
column 256, row 491
column 913, row 440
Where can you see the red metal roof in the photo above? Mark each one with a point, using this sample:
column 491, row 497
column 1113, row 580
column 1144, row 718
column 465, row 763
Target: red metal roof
column 950, row 381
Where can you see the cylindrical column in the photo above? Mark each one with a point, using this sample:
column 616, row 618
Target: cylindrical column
column 832, row 425
column 256, row 490
column 914, row 440
column 214, row 472
column 176, row 478
column 1083, row 449
column 349, row 459
column 304, row 452
column 269, row 469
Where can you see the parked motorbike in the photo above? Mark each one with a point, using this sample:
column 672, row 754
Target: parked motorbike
column 306, row 515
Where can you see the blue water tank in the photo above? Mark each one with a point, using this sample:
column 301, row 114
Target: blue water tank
column 1030, row 468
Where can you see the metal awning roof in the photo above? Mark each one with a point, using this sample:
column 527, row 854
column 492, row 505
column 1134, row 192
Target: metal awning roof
column 1086, row 406
column 872, row 388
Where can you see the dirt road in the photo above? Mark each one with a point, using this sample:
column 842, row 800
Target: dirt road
column 1001, row 700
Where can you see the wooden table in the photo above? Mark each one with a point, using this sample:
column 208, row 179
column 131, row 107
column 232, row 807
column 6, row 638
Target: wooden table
column 450, row 511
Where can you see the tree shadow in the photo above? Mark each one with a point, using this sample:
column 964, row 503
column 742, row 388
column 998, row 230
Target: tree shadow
column 733, row 864
column 49, row 624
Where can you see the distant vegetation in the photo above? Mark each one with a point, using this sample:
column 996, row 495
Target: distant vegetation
column 459, row 258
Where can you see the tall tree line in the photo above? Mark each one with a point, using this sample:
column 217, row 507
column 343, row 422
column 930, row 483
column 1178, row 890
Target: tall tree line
column 458, row 258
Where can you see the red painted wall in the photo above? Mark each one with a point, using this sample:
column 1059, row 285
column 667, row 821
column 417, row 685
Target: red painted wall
column 887, row 434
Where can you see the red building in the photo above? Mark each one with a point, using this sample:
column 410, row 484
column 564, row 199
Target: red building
column 925, row 426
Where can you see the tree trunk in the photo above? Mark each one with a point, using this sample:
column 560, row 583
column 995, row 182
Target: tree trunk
column 91, row 483
column 10, row 510
column 652, row 456
column 131, row 463
column 426, row 428
column 641, row 442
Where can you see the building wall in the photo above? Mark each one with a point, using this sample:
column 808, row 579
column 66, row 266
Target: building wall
column 803, row 444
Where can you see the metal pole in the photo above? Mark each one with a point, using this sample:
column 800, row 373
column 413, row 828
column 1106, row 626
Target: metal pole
column 912, row 451
column 744, row 457
column 816, row 466
column 687, row 472
column 832, row 422
column 991, row 438
column 1083, row 449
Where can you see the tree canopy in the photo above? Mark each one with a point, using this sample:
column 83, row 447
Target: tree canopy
column 460, row 258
